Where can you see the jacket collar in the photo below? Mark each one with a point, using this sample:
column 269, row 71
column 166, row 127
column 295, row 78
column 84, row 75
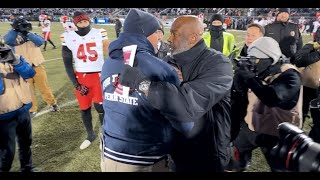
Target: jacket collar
column 191, row 54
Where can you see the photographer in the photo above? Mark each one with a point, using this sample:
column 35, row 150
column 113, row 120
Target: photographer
column 273, row 88
column 307, row 59
column 27, row 44
column 15, row 100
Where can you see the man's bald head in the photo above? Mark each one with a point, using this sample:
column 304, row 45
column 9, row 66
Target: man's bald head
column 189, row 24
column 186, row 31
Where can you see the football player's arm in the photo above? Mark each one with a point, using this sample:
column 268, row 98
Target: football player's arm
column 42, row 24
column 105, row 42
column 73, row 27
column 105, row 47
column 67, row 60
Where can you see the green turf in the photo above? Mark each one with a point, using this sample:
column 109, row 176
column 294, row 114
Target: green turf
column 58, row 135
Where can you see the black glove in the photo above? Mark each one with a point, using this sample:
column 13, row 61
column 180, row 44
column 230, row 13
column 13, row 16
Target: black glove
column 306, row 49
column 245, row 74
column 6, row 55
column 131, row 77
column 239, row 84
column 84, row 90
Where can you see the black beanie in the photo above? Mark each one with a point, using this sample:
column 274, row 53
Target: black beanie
column 218, row 17
column 140, row 22
column 79, row 16
column 280, row 10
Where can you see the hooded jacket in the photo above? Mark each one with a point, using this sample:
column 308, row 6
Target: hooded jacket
column 134, row 131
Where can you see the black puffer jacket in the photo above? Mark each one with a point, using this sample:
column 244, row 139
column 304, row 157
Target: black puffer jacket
column 204, row 99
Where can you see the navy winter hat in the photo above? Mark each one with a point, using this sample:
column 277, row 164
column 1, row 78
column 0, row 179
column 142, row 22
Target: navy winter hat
column 140, row 22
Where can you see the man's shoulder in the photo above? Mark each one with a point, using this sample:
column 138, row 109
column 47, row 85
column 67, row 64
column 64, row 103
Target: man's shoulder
column 293, row 24
column 100, row 31
column 210, row 54
column 228, row 34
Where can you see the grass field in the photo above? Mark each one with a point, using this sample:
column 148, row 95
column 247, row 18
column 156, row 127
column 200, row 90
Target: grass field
column 58, row 135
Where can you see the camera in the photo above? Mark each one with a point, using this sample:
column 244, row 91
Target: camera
column 248, row 63
column 21, row 24
column 6, row 55
column 295, row 152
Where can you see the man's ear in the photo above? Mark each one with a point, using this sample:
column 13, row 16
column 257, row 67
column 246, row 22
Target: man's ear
column 193, row 38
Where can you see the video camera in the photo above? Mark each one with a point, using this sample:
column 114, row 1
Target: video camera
column 21, row 24
column 295, row 152
column 248, row 63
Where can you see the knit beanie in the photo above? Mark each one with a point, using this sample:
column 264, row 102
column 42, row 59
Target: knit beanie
column 140, row 22
column 287, row 10
column 265, row 47
column 215, row 17
column 79, row 16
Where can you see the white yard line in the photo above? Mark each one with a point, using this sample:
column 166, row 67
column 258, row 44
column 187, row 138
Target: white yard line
column 61, row 106
column 51, row 59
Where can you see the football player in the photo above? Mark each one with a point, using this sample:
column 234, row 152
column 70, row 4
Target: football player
column 46, row 24
column 85, row 48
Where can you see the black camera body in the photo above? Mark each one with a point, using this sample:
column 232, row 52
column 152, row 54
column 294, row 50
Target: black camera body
column 295, row 152
column 6, row 55
column 248, row 63
column 22, row 25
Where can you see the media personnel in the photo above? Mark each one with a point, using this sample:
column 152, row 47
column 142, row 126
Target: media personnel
column 273, row 88
column 21, row 25
column 27, row 44
column 307, row 60
column 295, row 152
column 15, row 100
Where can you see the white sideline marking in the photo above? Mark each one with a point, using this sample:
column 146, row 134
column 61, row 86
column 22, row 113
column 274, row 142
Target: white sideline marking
column 61, row 106
column 51, row 59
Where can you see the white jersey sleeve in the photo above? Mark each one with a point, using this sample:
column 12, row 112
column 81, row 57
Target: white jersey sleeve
column 63, row 42
column 103, row 33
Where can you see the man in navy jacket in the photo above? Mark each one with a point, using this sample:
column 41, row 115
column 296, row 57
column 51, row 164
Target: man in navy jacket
column 136, row 135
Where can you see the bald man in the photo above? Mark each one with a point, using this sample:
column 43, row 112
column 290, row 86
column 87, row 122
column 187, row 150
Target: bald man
column 202, row 101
